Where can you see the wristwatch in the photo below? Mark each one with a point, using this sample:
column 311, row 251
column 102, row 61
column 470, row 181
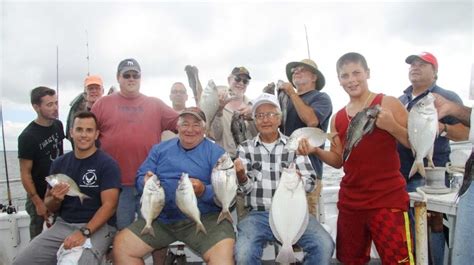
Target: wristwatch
column 444, row 132
column 85, row 231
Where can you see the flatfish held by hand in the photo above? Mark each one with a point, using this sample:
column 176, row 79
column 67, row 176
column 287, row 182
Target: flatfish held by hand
column 422, row 132
column 224, row 183
column 152, row 202
column 361, row 124
column 187, row 202
column 315, row 136
column 74, row 190
column 288, row 213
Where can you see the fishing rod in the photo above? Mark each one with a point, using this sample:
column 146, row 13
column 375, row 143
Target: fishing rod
column 9, row 208
column 307, row 41
column 87, row 48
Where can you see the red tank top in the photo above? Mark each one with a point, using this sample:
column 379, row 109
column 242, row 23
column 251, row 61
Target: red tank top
column 372, row 177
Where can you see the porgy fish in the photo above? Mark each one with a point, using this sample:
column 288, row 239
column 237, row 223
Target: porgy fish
column 284, row 100
column 152, row 202
column 224, row 183
column 193, row 79
column 315, row 136
column 288, row 215
column 74, row 190
column 209, row 102
column 422, row 132
column 238, row 128
column 187, row 202
column 361, row 124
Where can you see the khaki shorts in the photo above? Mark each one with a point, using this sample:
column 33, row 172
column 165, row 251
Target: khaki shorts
column 185, row 231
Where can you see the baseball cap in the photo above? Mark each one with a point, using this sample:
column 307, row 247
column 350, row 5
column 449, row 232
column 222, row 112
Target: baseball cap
column 425, row 56
column 93, row 80
column 240, row 70
column 195, row 111
column 128, row 65
column 265, row 98
column 320, row 82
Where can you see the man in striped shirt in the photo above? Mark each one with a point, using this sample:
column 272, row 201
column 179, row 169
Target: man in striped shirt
column 259, row 166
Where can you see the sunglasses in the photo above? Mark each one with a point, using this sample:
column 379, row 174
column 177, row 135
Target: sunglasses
column 128, row 76
column 244, row 80
column 299, row 69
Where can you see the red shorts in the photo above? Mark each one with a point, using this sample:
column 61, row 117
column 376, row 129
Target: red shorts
column 388, row 228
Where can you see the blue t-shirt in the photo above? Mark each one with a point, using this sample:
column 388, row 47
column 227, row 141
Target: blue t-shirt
column 168, row 160
column 93, row 175
column 441, row 145
column 321, row 104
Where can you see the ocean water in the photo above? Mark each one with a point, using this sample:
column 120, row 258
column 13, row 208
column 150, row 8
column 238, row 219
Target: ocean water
column 331, row 177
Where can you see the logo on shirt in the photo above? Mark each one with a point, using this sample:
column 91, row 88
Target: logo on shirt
column 89, row 179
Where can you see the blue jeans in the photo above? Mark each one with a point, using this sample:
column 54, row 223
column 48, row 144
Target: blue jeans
column 128, row 206
column 463, row 247
column 254, row 231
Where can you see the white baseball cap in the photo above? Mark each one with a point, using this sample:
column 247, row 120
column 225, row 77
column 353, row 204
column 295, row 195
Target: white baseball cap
column 265, row 98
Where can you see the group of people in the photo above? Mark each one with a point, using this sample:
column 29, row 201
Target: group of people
column 117, row 145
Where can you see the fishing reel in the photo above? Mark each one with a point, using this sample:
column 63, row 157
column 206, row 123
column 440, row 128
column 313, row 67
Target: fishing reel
column 9, row 209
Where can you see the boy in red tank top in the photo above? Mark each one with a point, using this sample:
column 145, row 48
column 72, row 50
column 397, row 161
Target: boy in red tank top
column 373, row 201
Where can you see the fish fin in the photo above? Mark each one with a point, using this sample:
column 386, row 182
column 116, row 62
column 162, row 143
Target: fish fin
column 286, row 255
column 83, row 196
column 303, row 227
column 148, row 230
column 200, row 227
column 421, row 169
column 272, row 226
column 430, row 157
column 417, row 167
column 225, row 215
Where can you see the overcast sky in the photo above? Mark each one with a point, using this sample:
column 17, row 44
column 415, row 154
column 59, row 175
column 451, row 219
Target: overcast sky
column 262, row 36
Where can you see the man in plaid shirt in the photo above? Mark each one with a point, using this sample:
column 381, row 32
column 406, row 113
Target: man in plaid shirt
column 259, row 165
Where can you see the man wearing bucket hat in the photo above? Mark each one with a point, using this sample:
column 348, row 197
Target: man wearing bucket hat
column 307, row 107
column 93, row 90
column 423, row 73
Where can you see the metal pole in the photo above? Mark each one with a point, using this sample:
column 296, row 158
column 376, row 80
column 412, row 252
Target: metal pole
column 307, row 41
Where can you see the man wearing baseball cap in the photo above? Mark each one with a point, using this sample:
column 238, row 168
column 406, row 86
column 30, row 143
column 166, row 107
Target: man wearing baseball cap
column 260, row 163
column 195, row 155
column 423, row 73
column 93, row 90
column 307, row 107
column 130, row 123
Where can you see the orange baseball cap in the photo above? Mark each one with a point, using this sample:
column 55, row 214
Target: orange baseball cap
column 93, row 80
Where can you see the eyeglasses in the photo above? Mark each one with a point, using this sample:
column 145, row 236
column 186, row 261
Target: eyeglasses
column 298, row 69
column 244, row 80
column 269, row 115
column 135, row 76
column 183, row 92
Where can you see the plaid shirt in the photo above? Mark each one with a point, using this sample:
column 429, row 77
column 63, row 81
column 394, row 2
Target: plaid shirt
column 264, row 168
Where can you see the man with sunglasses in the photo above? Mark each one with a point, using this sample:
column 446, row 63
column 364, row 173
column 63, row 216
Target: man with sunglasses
column 238, row 80
column 307, row 107
column 130, row 123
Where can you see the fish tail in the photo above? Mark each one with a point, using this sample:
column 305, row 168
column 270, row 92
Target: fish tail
column 82, row 196
column 225, row 214
column 200, row 227
column 417, row 167
column 148, row 229
column 286, row 255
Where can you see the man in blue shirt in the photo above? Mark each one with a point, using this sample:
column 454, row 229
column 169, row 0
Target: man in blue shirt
column 423, row 73
column 190, row 153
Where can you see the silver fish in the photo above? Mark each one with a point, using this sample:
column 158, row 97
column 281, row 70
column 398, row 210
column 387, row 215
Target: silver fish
column 193, row 79
column 284, row 100
column 269, row 89
column 152, row 202
column 422, row 132
column 288, row 215
column 224, row 183
column 361, row 124
column 209, row 102
column 238, row 128
column 315, row 136
column 73, row 191
column 187, row 202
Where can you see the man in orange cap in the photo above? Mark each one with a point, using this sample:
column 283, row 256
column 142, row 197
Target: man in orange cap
column 93, row 90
